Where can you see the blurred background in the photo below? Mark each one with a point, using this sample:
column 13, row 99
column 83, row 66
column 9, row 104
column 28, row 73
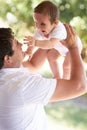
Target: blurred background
column 18, row 14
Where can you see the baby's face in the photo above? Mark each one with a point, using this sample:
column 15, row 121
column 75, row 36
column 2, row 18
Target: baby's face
column 43, row 23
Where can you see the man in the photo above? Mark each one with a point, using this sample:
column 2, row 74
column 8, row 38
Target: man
column 24, row 95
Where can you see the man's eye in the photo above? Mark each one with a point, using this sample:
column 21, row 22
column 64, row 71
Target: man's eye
column 17, row 42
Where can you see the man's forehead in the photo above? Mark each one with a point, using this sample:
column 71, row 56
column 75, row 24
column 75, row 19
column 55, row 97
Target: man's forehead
column 14, row 40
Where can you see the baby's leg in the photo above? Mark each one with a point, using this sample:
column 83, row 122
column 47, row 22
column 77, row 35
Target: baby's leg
column 53, row 57
column 66, row 67
column 39, row 58
column 36, row 61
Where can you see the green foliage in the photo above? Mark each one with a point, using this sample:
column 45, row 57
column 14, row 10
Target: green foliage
column 19, row 14
column 74, row 9
column 67, row 115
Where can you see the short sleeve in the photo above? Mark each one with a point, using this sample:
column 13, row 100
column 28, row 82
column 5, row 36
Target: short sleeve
column 38, row 89
column 59, row 32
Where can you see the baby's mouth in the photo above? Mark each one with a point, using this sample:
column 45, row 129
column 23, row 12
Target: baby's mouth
column 43, row 31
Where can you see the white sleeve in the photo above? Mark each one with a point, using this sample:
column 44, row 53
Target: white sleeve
column 38, row 89
column 59, row 32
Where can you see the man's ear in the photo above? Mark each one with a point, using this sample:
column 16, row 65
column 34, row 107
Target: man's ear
column 7, row 60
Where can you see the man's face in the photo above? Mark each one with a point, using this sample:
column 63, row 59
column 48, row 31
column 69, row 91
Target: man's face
column 18, row 55
column 43, row 23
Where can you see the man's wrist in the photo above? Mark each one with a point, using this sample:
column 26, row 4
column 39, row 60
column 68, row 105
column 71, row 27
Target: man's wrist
column 72, row 47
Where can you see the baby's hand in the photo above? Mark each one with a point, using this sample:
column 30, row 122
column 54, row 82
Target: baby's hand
column 29, row 40
column 30, row 50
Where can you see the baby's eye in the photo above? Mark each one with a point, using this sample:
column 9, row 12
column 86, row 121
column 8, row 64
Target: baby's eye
column 42, row 24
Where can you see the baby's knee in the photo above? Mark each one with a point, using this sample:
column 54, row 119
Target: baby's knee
column 52, row 55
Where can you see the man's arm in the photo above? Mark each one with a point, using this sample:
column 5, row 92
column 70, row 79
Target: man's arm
column 76, row 86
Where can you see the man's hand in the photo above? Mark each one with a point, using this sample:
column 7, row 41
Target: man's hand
column 71, row 40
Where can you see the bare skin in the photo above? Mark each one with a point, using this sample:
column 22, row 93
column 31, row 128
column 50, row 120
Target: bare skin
column 37, row 60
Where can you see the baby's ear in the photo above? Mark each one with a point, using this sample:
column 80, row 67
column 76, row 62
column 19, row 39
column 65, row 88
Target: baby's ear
column 56, row 21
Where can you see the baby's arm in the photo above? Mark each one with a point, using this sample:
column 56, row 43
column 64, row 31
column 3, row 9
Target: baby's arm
column 43, row 44
column 47, row 44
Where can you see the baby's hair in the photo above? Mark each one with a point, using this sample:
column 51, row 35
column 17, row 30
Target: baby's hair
column 48, row 8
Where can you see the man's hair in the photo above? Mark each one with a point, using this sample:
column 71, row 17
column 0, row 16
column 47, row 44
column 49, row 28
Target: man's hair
column 48, row 8
column 6, row 37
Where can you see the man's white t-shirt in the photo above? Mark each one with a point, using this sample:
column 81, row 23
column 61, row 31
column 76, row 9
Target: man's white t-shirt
column 58, row 32
column 22, row 99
